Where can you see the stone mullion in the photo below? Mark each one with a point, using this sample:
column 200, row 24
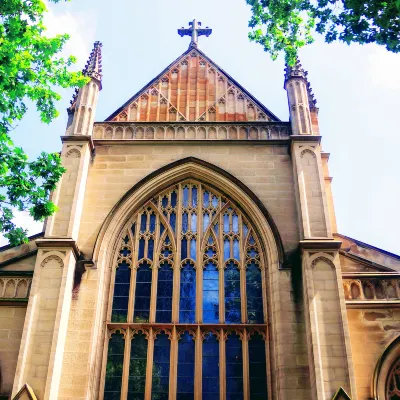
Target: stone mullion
column 173, row 370
column 243, row 303
column 177, row 259
column 132, row 287
column 149, row 365
column 125, row 370
column 154, row 274
column 198, row 370
column 245, row 357
column 199, row 258
column 222, row 365
column 222, row 266
column 112, row 285
column 146, row 243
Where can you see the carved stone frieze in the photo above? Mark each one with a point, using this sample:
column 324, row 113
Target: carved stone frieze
column 174, row 131
column 14, row 288
column 371, row 288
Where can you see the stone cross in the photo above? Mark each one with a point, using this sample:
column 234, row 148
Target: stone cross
column 194, row 31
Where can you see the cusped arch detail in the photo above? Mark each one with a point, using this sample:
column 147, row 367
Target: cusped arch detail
column 186, row 168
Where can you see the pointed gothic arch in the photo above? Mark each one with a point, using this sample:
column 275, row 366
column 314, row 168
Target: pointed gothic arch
column 265, row 233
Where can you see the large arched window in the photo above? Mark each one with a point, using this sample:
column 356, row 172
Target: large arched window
column 393, row 382
column 188, row 301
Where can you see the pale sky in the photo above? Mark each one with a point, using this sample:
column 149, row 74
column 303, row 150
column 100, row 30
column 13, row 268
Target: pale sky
column 357, row 89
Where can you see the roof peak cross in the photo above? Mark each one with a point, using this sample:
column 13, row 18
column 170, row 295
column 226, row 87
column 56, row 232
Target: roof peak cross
column 194, row 31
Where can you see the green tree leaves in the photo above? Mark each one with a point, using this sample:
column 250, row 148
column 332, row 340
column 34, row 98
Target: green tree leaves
column 30, row 69
column 287, row 25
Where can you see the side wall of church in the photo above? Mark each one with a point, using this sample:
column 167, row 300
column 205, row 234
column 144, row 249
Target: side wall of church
column 11, row 326
column 371, row 331
column 266, row 170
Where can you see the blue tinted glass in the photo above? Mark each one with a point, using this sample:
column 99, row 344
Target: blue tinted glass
column 150, row 249
column 152, row 223
column 252, row 253
column 160, row 377
column 257, row 368
column 235, row 223
column 206, row 221
column 142, row 294
column 164, row 201
column 251, row 240
column 187, row 301
column 183, row 249
column 232, row 294
column 216, row 228
column 185, row 197
column 210, row 294
column 193, row 249
column 143, row 220
column 121, row 293
column 236, row 251
column 115, row 360
column 137, row 367
column 172, row 221
column 185, row 222
column 125, row 252
column 234, row 368
column 226, row 223
column 210, row 367
column 133, row 229
column 164, row 293
column 174, row 197
column 227, row 249
column 206, row 199
column 245, row 230
column 141, row 248
column 255, row 313
column 193, row 223
column 194, row 197
column 186, row 358
column 215, row 201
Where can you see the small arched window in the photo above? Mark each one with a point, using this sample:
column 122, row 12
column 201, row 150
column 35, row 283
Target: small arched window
column 188, row 301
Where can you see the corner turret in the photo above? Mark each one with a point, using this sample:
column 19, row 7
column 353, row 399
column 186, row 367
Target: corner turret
column 301, row 100
column 82, row 110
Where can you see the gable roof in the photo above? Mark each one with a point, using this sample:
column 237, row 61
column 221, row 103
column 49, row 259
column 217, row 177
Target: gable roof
column 193, row 88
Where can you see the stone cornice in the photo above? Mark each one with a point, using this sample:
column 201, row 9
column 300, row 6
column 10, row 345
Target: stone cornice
column 59, row 243
column 320, row 244
column 79, row 138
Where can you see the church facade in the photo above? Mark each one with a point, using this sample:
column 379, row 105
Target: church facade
column 195, row 255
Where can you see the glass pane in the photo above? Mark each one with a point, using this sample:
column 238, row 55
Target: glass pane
column 227, row 249
column 142, row 295
column 137, row 367
column 143, row 221
column 174, row 197
column 121, row 293
column 152, row 223
column 193, row 249
column 226, row 223
column 172, row 221
column 185, row 196
column 206, row 199
column 164, row 293
column 210, row 293
column 186, row 358
column 150, row 249
column 257, row 368
column 193, row 223
column 210, row 367
column 142, row 243
column 255, row 313
column 115, row 360
column 187, row 301
column 236, row 250
column 160, row 377
column 206, row 221
column 234, row 368
column 194, row 197
column 235, row 223
column 183, row 249
column 232, row 294
column 185, row 222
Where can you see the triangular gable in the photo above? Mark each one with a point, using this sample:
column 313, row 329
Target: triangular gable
column 341, row 395
column 193, row 88
column 26, row 393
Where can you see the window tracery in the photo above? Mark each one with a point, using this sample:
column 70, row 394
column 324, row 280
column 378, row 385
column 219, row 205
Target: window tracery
column 393, row 382
column 188, row 294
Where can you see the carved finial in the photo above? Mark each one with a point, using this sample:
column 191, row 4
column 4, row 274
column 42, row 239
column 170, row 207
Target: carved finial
column 297, row 71
column 93, row 66
column 194, row 31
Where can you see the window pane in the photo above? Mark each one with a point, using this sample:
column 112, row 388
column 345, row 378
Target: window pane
column 210, row 367
column 160, row 377
column 121, row 293
column 186, row 358
column 234, row 368
column 137, row 367
column 187, row 301
column 232, row 294
column 257, row 368
column 143, row 291
column 115, row 360
column 210, row 293
column 255, row 313
column 164, row 293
